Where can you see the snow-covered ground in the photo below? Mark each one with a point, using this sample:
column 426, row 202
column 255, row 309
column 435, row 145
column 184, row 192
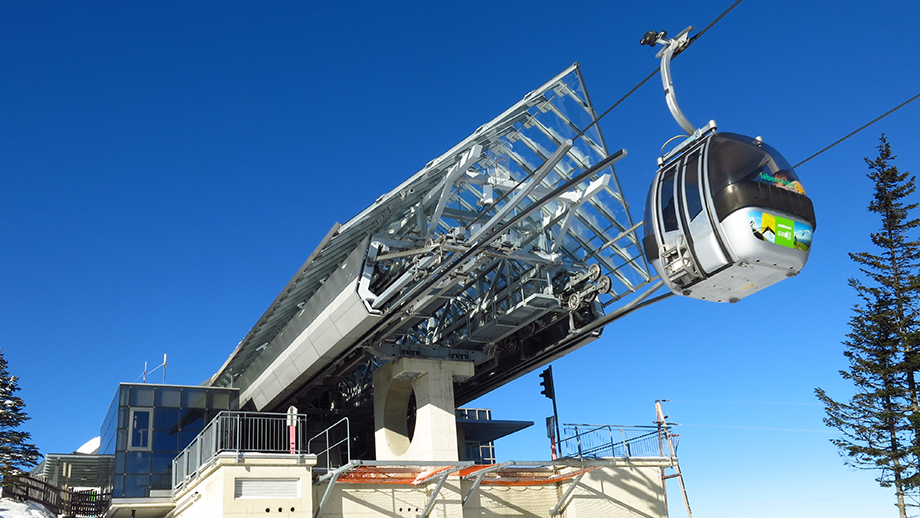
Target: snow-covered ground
column 12, row 509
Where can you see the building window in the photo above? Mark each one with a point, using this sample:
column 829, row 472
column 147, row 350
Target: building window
column 140, row 423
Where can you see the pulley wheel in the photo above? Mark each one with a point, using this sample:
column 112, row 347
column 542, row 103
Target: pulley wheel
column 574, row 301
column 604, row 285
column 594, row 272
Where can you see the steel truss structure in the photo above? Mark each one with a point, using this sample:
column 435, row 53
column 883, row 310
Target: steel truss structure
column 509, row 250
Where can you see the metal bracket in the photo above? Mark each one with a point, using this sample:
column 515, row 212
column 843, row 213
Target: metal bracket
column 563, row 502
column 331, row 478
column 680, row 148
column 388, row 351
column 479, row 476
column 574, row 200
column 466, row 161
column 434, row 494
column 523, row 194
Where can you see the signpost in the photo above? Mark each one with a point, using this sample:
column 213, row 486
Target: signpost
column 292, row 428
column 551, row 434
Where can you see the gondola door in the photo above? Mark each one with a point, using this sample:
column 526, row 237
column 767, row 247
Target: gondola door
column 675, row 250
column 698, row 217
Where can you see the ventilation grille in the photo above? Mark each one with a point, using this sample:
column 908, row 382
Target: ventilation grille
column 267, row 488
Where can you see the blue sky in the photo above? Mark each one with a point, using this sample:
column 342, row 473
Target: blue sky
column 167, row 167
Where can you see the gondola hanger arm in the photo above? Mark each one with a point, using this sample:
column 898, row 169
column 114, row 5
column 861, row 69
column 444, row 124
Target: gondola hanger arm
column 672, row 46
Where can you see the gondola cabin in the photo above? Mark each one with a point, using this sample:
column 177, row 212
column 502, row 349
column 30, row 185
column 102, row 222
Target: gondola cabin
column 725, row 218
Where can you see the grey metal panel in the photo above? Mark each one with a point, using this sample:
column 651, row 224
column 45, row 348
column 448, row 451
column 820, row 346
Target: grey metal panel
column 342, row 278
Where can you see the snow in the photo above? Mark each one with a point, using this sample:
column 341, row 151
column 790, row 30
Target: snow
column 13, row 509
column 91, row 446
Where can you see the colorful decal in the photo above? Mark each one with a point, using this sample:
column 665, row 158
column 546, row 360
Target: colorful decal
column 781, row 179
column 780, row 231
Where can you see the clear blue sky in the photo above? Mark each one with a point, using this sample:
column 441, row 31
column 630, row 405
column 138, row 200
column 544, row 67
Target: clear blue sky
column 167, row 167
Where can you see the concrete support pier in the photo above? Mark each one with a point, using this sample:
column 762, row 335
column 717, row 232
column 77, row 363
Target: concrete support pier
column 434, row 437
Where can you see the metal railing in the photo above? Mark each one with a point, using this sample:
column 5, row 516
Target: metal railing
column 586, row 440
column 58, row 500
column 25, row 487
column 335, row 442
column 238, row 432
column 88, row 503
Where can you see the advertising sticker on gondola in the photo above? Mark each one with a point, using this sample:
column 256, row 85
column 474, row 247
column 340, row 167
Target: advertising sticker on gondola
column 783, row 179
column 780, row 231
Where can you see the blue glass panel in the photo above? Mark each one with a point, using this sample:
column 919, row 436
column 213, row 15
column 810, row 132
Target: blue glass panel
column 166, row 419
column 161, row 481
column 120, row 462
column 121, row 443
column 220, row 400
column 118, row 486
column 136, row 485
column 194, row 398
column 193, row 419
column 692, row 185
column 166, row 440
column 108, row 430
column 137, row 462
column 141, row 396
column 168, row 397
column 140, row 429
column 162, row 462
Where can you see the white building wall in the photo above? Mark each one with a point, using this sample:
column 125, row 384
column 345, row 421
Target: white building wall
column 213, row 493
column 632, row 490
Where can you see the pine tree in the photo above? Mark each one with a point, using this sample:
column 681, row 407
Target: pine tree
column 16, row 452
column 880, row 425
column 873, row 423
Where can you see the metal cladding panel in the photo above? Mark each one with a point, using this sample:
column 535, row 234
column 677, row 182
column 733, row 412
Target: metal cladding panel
column 290, row 370
column 304, row 332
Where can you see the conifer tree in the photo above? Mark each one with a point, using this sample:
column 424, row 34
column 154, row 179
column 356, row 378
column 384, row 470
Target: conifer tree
column 880, row 425
column 16, row 452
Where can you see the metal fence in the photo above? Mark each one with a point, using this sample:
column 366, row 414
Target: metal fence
column 585, row 440
column 88, row 503
column 60, row 501
column 238, row 432
column 24, row 487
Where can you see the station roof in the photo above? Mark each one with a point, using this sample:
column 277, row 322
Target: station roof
column 489, row 430
column 86, row 470
column 523, row 136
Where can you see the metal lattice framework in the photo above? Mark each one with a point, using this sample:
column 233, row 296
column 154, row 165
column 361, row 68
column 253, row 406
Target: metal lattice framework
column 509, row 250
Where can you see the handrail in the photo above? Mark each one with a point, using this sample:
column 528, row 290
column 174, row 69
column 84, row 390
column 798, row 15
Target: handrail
column 613, row 441
column 330, row 446
column 237, row 431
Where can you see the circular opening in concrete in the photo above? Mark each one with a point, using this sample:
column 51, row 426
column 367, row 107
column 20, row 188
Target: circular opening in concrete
column 411, row 409
column 396, row 416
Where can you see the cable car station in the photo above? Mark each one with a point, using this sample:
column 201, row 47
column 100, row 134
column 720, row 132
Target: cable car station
column 513, row 248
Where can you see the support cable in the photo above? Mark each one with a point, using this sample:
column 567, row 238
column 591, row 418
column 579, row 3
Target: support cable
column 655, row 72
column 880, row 117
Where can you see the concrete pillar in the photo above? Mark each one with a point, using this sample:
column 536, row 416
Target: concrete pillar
column 432, row 382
